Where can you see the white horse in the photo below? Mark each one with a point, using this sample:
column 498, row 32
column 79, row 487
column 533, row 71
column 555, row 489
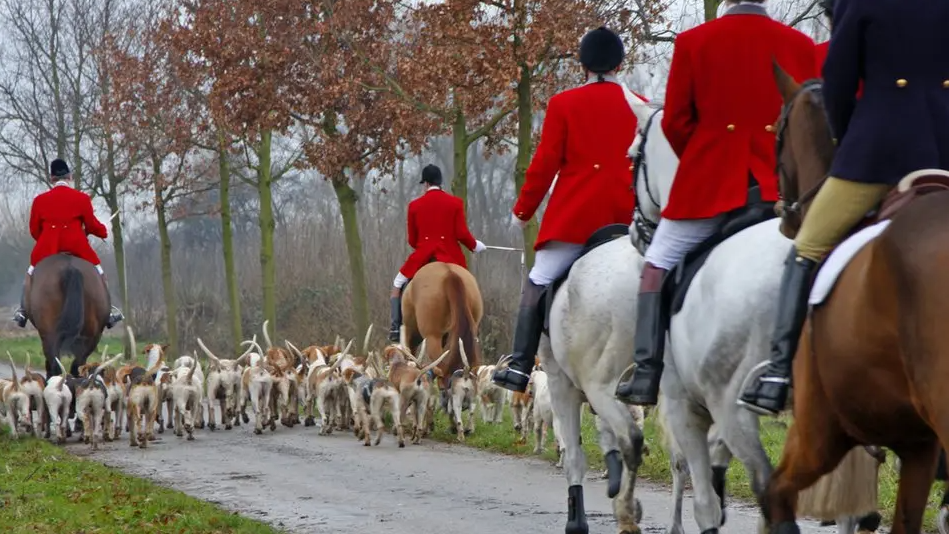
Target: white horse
column 719, row 337
column 588, row 347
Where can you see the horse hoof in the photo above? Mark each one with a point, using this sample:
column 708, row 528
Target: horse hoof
column 788, row 527
column 577, row 527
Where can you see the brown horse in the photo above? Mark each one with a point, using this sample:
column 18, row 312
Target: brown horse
column 441, row 305
column 68, row 305
column 873, row 360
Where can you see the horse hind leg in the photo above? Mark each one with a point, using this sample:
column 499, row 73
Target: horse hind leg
column 917, row 472
column 621, row 441
column 567, row 402
column 815, row 445
column 690, row 431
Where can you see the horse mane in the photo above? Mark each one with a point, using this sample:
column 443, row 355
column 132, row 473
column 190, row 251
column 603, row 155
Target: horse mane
column 461, row 322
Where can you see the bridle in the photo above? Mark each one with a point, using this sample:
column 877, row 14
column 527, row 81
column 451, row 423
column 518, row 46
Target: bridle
column 645, row 228
column 792, row 206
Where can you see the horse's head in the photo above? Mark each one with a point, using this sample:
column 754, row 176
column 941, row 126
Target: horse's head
column 805, row 148
column 654, row 168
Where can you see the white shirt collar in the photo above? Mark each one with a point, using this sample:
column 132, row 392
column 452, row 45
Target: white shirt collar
column 434, row 188
column 594, row 78
column 61, row 182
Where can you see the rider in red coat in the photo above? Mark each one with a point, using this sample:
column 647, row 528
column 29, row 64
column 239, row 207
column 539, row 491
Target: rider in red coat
column 721, row 106
column 585, row 138
column 60, row 220
column 436, row 226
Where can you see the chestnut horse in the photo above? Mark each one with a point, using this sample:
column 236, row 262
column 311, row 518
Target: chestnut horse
column 441, row 305
column 873, row 360
column 68, row 305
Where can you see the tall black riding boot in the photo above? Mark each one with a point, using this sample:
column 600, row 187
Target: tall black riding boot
column 395, row 312
column 115, row 314
column 768, row 393
column 650, row 342
column 530, row 325
column 19, row 316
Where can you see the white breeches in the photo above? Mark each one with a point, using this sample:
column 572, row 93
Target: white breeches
column 400, row 281
column 552, row 261
column 674, row 239
column 29, row 272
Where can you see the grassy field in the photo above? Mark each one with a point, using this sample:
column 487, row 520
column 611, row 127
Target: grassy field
column 500, row 438
column 19, row 346
column 45, row 489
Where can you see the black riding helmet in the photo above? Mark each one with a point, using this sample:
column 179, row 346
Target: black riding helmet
column 601, row 51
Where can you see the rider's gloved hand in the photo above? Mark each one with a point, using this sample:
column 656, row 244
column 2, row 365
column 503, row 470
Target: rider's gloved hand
column 479, row 246
column 517, row 221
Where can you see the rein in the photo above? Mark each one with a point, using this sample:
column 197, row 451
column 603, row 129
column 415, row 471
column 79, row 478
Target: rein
column 645, row 228
column 790, row 206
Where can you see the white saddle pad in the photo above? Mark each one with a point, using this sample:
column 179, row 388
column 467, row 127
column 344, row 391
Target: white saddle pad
column 839, row 258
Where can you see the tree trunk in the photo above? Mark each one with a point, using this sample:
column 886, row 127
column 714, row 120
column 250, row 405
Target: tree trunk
column 357, row 269
column 459, row 184
column 268, row 269
column 227, row 236
column 711, row 9
column 118, row 239
column 525, row 147
column 167, row 279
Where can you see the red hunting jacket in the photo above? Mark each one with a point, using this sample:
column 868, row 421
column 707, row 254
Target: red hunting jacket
column 60, row 220
column 585, row 138
column 436, row 226
column 721, row 106
column 822, row 55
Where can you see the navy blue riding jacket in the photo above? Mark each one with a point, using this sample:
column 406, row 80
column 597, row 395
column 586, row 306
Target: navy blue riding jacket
column 900, row 49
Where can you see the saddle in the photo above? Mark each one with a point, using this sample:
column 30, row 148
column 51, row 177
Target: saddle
column 911, row 187
column 600, row 237
column 675, row 284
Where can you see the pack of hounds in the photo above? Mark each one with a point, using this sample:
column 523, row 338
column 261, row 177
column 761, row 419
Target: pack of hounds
column 347, row 390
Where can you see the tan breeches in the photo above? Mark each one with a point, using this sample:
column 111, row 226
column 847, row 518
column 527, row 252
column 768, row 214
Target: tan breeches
column 837, row 208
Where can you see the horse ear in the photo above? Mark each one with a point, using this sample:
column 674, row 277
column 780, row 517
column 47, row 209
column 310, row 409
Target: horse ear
column 787, row 85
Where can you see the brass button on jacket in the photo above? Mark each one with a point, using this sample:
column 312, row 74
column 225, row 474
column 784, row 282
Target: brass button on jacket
column 901, row 83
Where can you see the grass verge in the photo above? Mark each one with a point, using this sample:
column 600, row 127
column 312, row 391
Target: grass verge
column 501, row 438
column 47, row 490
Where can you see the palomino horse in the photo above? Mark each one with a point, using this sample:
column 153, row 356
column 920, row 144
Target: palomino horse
column 69, row 306
column 441, row 305
column 881, row 320
column 719, row 335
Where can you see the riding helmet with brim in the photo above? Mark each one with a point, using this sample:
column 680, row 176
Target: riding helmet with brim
column 432, row 175
column 58, row 168
column 601, row 51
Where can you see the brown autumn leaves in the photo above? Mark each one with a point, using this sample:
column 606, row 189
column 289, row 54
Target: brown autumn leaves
column 364, row 82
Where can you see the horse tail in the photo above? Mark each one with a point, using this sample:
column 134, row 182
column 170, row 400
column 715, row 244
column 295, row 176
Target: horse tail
column 72, row 318
column 461, row 319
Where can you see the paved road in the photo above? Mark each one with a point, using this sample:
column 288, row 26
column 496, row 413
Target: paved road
column 307, row 484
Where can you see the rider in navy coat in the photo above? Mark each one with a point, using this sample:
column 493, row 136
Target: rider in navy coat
column 900, row 124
